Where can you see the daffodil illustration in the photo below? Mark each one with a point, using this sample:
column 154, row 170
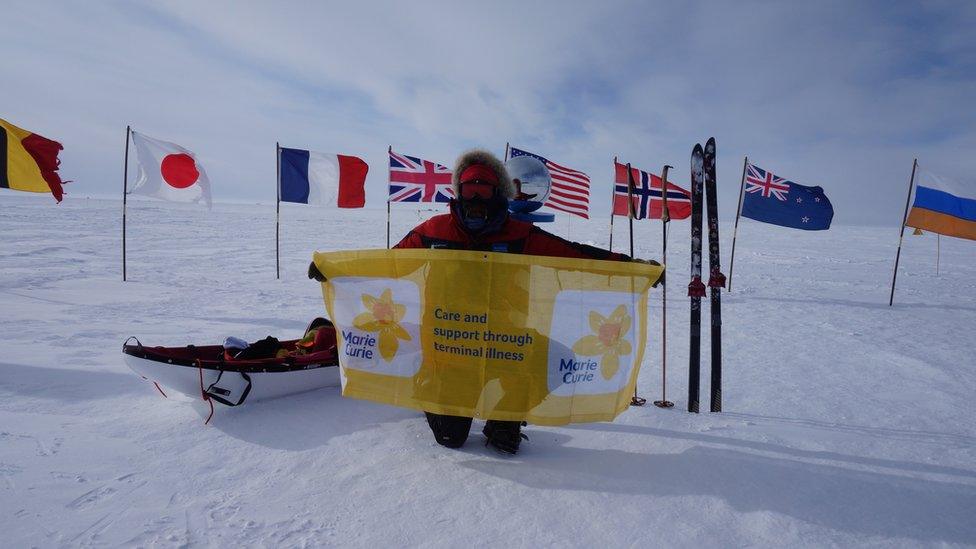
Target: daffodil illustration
column 383, row 315
column 606, row 340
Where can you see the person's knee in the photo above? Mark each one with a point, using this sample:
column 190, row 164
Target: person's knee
column 505, row 436
column 450, row 431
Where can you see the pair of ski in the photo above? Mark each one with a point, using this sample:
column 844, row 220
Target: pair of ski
column 703, row 175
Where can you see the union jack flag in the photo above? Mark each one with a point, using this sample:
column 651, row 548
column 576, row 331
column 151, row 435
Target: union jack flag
column 414, row 179
column 765, row 183
column 570, row 190
column 646, row 195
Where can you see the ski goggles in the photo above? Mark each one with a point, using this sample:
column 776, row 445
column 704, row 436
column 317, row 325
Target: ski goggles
column 478, row 188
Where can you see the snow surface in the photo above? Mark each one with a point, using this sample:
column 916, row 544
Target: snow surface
column 846, row 422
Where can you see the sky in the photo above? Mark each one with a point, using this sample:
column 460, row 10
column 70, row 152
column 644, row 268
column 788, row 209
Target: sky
column 842, row 95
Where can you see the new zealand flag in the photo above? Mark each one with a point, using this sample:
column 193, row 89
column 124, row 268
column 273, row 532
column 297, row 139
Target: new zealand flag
column 775, row 200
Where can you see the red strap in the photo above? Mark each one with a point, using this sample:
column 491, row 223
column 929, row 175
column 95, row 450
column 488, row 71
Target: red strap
column 696, row 288
column 203, row 393
column 716, row 279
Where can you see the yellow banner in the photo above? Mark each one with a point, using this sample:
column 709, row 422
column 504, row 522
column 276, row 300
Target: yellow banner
column 489, row 335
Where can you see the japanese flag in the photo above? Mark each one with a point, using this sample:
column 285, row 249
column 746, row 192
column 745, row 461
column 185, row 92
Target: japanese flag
column 168, row 171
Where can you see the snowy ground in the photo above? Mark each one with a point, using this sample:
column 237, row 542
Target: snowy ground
column 847, row 422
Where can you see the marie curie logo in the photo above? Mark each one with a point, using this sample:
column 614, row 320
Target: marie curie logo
column 379, row 324
column 607, row 340
column 591, row 349
column 382, row 317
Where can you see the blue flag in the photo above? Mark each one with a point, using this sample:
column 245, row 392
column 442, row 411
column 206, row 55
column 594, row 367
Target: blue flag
column 775, row 200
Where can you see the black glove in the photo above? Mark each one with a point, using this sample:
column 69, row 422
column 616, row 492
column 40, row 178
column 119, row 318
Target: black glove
column 651, row 262
column 314, row 272
column 646, row 261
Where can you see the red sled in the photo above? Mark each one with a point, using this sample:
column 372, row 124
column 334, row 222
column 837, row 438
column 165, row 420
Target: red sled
column 264, row 370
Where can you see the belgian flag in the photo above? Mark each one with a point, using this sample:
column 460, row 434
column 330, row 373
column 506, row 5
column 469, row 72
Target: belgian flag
column 28, row 162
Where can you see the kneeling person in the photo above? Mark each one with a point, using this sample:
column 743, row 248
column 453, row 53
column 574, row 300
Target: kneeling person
column 479, row 220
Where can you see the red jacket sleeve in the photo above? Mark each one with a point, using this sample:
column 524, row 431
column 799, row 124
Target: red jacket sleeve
column 412, row 240
column 540, row 242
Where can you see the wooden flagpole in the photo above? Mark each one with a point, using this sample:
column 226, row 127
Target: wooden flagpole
column 389, row 150
column 735, row 230
column 901, row 236
column 278, row 210
column 613, row 194
column 665, row 219
column 125, row 194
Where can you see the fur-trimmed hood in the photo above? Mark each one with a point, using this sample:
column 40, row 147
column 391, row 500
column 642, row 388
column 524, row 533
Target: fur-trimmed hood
column 485, row 158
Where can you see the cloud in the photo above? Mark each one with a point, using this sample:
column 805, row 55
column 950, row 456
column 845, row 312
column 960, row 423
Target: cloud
column 834, row 94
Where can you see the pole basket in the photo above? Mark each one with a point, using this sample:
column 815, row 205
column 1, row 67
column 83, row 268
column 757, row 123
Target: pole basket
column 637, row 401
column 664, row 404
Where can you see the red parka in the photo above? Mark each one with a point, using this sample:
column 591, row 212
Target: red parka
column 513, row 236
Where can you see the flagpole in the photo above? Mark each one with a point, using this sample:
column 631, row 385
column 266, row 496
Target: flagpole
column 630, row 206
column 901, row 236
column 613, row 194
column 938, row 240
column 125, row 192
column 569, row 226
column 389, row 150
column 278, row 210
column 636, row 401
column 665, row 218
column 506, row 151
column 735, row 230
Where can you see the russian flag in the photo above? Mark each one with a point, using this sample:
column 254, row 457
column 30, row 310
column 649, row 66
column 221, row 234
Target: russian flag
column 944, row 206
column 308, row 177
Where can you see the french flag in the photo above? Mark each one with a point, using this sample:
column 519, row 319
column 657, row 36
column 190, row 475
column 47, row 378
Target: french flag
column 308, row 177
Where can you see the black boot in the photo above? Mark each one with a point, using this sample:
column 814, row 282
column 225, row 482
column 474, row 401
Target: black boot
column 450, row 431
column 505, row 436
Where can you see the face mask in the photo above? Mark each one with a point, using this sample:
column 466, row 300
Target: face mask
column 475, row 223
column 477, row 213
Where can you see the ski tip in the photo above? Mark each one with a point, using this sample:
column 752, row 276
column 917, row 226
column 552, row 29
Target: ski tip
column 697, row 150
column 710, row 148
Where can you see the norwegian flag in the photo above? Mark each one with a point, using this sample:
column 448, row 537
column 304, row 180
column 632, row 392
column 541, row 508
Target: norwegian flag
column 646, row 195
column 570, row 191
column 414, row 179
column 765, row 183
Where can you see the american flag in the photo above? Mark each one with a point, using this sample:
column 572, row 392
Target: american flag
column 648, row 202
column 570, row 190
column 765, row 183
column 414, row 179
